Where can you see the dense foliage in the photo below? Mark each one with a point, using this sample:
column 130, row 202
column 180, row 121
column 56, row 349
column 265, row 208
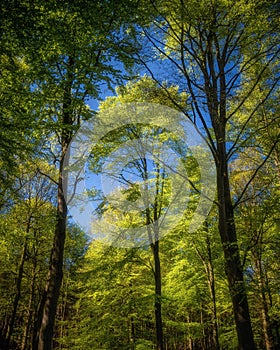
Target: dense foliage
column 217, row 64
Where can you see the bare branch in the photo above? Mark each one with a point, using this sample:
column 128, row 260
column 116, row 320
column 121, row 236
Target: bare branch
column 255, row 173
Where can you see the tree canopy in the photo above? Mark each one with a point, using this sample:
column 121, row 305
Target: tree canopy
column 200, row 210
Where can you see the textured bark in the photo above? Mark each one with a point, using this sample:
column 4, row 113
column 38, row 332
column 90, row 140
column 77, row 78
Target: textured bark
column 18, row 288
column 55, row 273
column 54, row 276
column 24, row 343
column 152, row 216
column 267, row 330
column 233, row 266
column 216, row 92
column 157, row 276
column 38, row 321
column 211, row 281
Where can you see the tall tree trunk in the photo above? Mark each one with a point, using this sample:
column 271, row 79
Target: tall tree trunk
column 152, row 216
column 55, row 270
column 157, row 276
column 18, row 289
column 37, row 321
column 132, row 336
column 274, row 324
column 24, row 343
column 216, row 90
column 55, row 273
column 267, row 331
column 209, row 270
column 190, row 341
column 18, row 284
column 233, row 266
column 211, row 281
column 3, row 333
column 132, row 333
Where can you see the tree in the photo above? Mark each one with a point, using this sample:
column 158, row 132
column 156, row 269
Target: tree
column 71, row 57
column 71, row 50
column 152, row 173
column 25, row 245
column 257, row 214
column 58, row 56
column 18, row 136
column 212, row 46
column 114, row 296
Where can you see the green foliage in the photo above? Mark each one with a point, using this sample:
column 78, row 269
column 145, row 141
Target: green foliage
column 56, row 59
column 144, row 345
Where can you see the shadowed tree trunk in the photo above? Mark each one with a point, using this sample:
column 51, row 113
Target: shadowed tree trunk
column 157, row 305
column 266, row 324
column 212, row 48
column 154, row 240
column 55, row 274
column 25, row 343
column 233, row 266
column 18, row 285
column 209, row 270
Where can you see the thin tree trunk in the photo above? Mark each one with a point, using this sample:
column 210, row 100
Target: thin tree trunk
column 37, row 321
column 154, row 244
column 18, row 289
column 209, row 270
column 63, row 308
column 29, row 312
column 157, row 276
column 132, row 333
column 274, row 324
column 132, row 336
column 4, row 331
column 190, row 341
column 18, row 285
column 211, row 280
column 264, row 308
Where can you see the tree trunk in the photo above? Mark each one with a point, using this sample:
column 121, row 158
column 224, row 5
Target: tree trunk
column 18, row 286
column 37, row 321
column 157, row 276
column 264, row 308
column 18, row 289
column 211, row 281
column 3, row 333
column 154, row 244
column 233, row 267
column 132, row 336
column 209, row 271
column 55, row 271
column 24, row 343
column 190, row 341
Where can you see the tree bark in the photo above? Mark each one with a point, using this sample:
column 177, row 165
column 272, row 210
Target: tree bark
column 274, row 324
column 209, row 270
column 216, row 92
column 267, row 331
column 55, row 273
column 157, row 276
column 24, row 343
column 211, row 281
column 152, row 216
column 233, row 266
column 18, row 288
column 38, row 321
